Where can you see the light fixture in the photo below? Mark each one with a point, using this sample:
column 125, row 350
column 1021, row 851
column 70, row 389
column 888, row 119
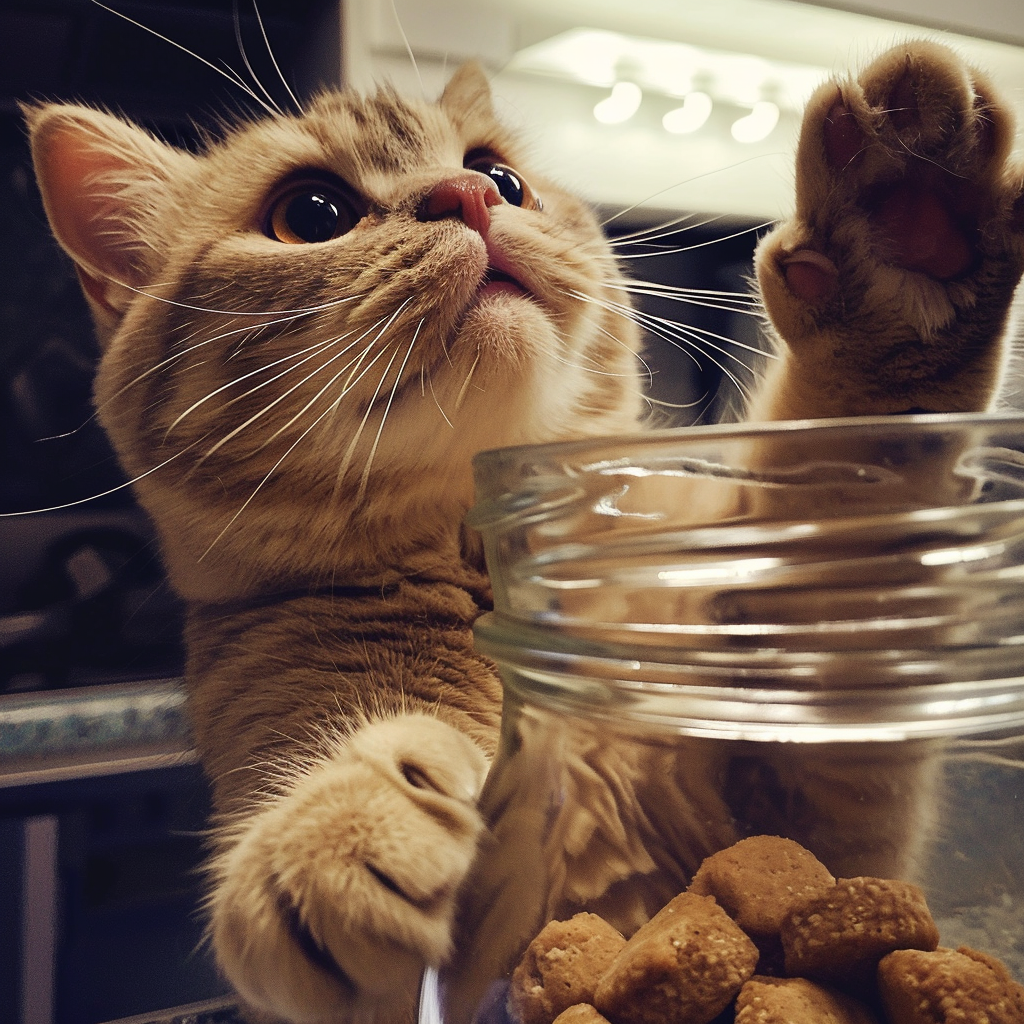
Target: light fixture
column 758, row 124
column 621, row 105
column 596, row 57
column 691, row 116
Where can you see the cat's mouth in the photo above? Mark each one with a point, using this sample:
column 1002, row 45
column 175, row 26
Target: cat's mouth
column 497, row 281
column 500, row 276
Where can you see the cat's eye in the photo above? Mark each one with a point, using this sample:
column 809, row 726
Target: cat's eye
column 308, row 212
column 512, row 187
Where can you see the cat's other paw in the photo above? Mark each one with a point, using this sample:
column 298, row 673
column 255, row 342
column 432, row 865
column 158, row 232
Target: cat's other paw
column 329, row 899
column 891, row 285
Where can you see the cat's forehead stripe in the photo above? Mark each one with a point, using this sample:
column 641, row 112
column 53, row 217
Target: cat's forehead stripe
column 390, row 134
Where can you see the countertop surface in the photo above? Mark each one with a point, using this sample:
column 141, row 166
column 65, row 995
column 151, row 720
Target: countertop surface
column 52, row 735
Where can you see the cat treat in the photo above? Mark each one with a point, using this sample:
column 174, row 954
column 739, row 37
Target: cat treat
column 929, row 987
column 764, row 1000
column 854, row 951
column 757, row 882
column 840, row 935
column 562, row 967
column 686, row 964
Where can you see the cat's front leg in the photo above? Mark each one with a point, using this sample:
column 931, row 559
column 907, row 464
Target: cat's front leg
column 890, row 287
column 331, row 896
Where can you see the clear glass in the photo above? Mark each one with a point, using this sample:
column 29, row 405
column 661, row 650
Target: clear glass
column 812, row 630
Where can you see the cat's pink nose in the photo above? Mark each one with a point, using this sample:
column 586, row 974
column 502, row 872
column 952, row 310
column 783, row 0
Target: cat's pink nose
column 467, row 196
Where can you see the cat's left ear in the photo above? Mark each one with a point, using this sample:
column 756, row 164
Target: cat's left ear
column 106, row 186
column 468, row 94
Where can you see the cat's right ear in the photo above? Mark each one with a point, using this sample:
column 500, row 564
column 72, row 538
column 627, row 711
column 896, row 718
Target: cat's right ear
column 106, row 185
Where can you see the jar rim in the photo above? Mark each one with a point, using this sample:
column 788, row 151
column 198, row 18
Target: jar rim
column 700, row 433
column 598, row 682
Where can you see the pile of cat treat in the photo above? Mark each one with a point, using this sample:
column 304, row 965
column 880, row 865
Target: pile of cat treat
column 765, row 935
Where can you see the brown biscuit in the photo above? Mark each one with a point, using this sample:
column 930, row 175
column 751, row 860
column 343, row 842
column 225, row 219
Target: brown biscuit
column 683, row 967
column 756, row 882
column 561, row 968
column 948, row 985
column 839, row 936
column 797, row 1001
column 581, row 1013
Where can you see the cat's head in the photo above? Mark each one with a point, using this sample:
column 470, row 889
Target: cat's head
column 310, row 327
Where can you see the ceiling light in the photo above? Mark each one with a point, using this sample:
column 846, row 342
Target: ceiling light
column 696, row 109
column 598, row 57
column 621, row 105
column 758, row 124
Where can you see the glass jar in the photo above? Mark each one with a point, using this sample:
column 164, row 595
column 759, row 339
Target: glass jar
column 807, row 630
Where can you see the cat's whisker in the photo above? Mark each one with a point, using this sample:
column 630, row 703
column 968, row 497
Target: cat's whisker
column 259, row 487
column 105, row 494
column 358, row 433
column 665, row 404
column 365, row 478
column 291, row 313
column 245, row 57
column 746, row 308
column 230, row 74
column 686, row 181
column 648, row 236
column 408, row 48
column 433, row 394
column 285, row 395
column 273, row 59
column 640, row 359
column 683, row 338
column 657, row 288
column 669, row 227
column 177, row 357
column 461, row 396
column 346, row 387
column 668, row 329
column 695, row 245
column 313, row 351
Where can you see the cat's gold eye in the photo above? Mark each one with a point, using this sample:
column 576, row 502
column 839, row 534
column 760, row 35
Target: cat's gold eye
column 512, row 186
column 307, row 212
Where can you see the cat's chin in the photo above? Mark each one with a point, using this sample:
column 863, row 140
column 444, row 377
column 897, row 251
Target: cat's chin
column 504, row 320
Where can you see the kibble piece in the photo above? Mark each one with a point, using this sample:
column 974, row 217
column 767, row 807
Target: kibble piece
column 839, row 936
column 756, row 882
column 561, row 968
column 581, row 1013
column 947, row 986
column 683, row 967
column 797, row 1001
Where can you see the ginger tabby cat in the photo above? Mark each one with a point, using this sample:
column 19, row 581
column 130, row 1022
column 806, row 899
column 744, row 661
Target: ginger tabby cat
column 311, row 327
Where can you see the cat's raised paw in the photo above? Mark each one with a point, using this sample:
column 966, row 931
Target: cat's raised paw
column 890, row 287
column 330, row 900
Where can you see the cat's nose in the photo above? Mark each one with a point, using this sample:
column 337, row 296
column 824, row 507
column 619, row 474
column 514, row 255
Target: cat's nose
column 467, row 196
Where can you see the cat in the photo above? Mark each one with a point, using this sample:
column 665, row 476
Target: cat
column 309, row 328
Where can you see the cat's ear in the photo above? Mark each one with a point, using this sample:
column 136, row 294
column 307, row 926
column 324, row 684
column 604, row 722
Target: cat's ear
column 105, row 184
column 467, row 94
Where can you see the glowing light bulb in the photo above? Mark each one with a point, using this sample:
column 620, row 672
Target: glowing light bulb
column 696, row 109
column 758, row 124
column 621, row 105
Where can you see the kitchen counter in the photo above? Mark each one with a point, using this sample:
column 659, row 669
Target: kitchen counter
column 217, row 1011
column 54, row 735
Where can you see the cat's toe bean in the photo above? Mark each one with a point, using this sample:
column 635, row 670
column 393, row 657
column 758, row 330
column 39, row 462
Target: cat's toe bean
column 811, row 276
column 843, row 136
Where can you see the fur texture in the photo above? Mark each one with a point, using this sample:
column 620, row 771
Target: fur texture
column 300, row 418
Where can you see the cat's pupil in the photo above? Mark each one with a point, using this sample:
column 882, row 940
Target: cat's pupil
column 509, row 184
column 313, row 217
